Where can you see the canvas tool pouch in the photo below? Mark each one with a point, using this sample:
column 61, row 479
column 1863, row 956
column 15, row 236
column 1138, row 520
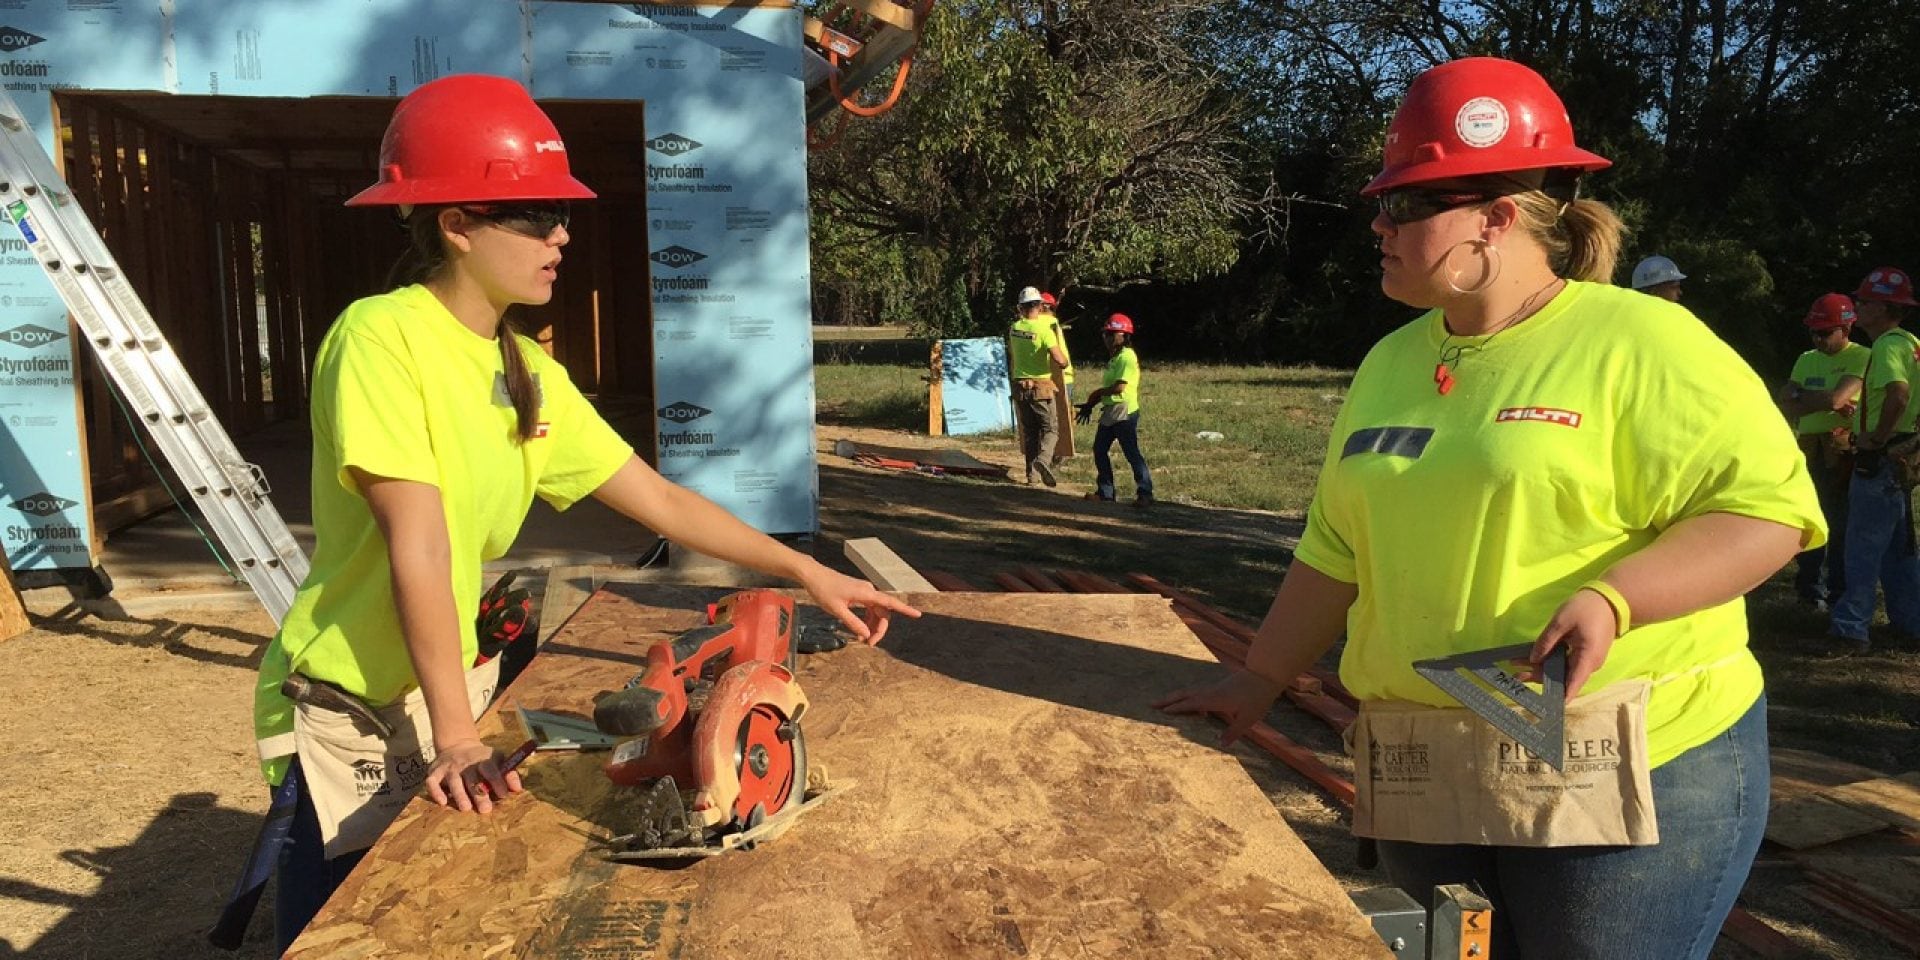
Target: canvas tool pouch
column 1443, row 775
column 359, row 782
column 1033, row 389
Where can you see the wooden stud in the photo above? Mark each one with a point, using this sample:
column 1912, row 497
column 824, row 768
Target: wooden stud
column 936, row 403
column 1011, row 583
column 885, row 568
column 949, row 583
column 13, row 611
column 1039, row 581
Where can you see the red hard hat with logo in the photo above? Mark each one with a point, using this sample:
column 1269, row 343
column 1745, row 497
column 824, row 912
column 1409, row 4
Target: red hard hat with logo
column 1049, row 299
column 1830, row 311
column 1477, row 116
column 1119, row 323
column 470, row 138
column 1887, row 285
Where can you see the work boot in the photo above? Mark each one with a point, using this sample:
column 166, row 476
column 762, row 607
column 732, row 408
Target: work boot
column 1143, row 501
column 1839, row 647
column 1040, row 467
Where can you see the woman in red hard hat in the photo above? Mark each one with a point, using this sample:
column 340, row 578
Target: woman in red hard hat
column 434, row 427
column 1119, row 401
column 1540, row 460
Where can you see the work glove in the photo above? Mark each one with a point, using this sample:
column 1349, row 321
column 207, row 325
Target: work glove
column 1086, row 413
column 506, row 615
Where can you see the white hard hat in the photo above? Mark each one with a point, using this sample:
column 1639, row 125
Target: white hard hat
column 1654, row 271
column 1030, row 295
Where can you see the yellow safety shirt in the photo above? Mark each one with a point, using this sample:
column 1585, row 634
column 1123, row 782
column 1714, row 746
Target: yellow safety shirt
column 1895, row 358
column 1818, row 371
column 1030, row 348
column 403, row 390
column 1567, row 443
column 1125, row 366
column 1060, row 337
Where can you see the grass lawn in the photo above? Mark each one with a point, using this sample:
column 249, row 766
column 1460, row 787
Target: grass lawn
column 1275, row 423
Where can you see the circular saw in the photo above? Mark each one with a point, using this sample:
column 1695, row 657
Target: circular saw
column 716, row 754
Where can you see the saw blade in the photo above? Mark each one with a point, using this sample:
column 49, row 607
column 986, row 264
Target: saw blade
column 1539, row 724
column 771, row 757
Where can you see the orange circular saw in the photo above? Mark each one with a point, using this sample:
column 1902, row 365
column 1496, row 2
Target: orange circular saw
column 717, row 750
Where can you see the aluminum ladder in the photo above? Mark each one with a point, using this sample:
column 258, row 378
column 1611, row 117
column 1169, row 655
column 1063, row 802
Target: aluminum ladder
column 231, row 493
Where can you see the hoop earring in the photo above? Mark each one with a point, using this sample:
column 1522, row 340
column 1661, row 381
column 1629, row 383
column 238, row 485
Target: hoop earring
column 1491, row 272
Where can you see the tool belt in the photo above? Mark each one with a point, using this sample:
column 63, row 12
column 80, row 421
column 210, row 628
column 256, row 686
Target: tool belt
column 360, row 782
column 1903, row 452
column 1442, row 775
column 1033, row 389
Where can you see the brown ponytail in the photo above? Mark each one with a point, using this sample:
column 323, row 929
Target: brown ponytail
column 426, row 258
column 1582, row 237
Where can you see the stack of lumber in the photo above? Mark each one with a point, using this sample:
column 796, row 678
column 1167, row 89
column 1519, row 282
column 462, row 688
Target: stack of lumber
column 1856, row 835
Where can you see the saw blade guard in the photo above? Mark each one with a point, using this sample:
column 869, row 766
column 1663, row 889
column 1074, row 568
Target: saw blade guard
column 748, row 750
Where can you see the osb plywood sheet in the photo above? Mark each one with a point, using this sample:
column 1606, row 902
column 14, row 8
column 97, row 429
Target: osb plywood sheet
column 1012, row 794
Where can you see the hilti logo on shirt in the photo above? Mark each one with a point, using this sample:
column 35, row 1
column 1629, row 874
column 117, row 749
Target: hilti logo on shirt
column 1566, row 418
column 673, row 144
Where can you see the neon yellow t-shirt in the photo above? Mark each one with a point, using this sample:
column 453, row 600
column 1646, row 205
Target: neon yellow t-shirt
column 402, row 390
column 1818, row 371
column 1895, row 358
column 1030, row 349
column 1567, row 443
column 1060, row 337
column 1125, row 365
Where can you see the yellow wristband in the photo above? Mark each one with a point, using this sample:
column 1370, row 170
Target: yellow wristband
column 1622, row 614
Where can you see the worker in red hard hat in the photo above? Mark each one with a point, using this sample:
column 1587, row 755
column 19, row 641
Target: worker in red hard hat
column 435, row 425
column 1879, row 542
column 1546, row 462
column 1818, row 398
column 1119, row 401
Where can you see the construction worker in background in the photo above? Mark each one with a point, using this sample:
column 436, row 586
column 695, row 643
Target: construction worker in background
column 1658, row 276
column 434, row 426
column 1879, row 538
column 1543, row 458
column 1819, row 399
column 1119, row 402
column 1051, row 315
column 1032, row 349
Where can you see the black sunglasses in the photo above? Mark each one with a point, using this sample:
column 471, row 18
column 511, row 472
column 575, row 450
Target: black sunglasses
column 1414, row 204
column 536, row 219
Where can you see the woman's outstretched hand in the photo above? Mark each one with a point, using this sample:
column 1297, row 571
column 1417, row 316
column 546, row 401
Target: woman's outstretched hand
column 839, row 594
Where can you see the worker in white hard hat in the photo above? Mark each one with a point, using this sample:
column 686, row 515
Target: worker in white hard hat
column 1032, row 348
column 1658, row 276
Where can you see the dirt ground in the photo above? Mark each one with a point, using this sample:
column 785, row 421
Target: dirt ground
column 131, row 796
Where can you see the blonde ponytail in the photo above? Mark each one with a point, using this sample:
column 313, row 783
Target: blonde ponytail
column 1582, row 237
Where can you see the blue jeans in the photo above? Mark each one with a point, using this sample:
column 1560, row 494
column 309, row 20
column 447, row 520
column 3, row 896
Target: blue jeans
column 1879, row 549
column 1660, row 902
column 307, row 877
column 1128, row 433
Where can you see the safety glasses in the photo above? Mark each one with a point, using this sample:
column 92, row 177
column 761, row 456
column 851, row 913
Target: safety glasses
column 536, row 219
column 1414, row 204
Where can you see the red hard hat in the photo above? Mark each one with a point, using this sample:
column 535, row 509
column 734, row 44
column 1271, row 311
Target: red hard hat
column 470, row 138
column 1049, row 299
column 1830, row 311
column 1477, row 116
column 1887, row 285
column 1119, row 323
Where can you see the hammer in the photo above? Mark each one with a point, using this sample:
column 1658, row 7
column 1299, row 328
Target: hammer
column 301, row 688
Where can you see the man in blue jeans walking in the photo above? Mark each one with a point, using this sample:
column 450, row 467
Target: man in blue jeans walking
column 1880, row 544
column 1119, row 402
